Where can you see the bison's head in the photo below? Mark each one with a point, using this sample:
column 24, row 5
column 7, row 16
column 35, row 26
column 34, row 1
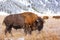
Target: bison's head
column 39, row 23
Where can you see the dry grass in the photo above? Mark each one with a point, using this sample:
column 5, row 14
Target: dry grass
column 51, row 31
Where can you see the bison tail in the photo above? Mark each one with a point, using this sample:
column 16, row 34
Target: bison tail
column 3, row 23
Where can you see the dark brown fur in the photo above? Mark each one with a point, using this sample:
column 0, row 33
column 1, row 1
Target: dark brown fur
column 13, row 21
column 38, row 24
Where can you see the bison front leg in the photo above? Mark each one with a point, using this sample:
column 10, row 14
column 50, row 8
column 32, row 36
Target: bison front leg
column 27, row 29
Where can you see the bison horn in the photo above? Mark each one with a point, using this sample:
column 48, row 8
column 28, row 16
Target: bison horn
column 37, row 20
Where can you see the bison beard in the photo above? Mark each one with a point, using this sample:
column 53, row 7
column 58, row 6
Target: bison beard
column 27, row 21
column 39, row 23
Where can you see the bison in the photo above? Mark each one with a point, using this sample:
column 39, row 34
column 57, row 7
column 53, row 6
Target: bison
column 56, row 17
column 26, row 20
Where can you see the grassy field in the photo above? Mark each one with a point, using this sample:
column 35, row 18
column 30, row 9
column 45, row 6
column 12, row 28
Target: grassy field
column 50, row 31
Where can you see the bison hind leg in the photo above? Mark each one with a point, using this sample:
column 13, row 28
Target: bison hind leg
column 8, row 29
column 5, row 31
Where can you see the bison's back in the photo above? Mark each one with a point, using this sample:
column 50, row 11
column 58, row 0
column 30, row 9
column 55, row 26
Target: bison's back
column 14, row 19
column 29, row 17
